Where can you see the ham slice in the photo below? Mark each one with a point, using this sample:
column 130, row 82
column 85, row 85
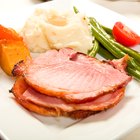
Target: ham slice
column 52, row 106
column 72, row 76
column 101, row 103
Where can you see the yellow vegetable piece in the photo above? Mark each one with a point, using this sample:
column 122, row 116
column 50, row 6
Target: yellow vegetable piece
column 12, row 52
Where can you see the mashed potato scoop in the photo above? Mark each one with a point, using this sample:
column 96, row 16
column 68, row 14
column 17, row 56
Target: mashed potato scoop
column 51, row 29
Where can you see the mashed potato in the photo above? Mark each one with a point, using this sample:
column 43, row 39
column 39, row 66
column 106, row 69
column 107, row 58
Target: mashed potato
column 48, row 29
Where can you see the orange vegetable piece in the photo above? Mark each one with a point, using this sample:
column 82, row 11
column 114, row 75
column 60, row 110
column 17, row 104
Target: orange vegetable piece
column 9, row 34
column 12, row 52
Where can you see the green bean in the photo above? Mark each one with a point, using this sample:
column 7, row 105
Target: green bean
column 96, row 24
column 94, row 49
column 104, row 53
column 134, row 73
column 127, row 50
column 108, row 30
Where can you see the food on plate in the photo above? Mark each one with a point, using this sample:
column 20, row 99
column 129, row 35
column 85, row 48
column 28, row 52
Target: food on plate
column 12, row 49
column 64, row 80
column 51, row 29
column 69, row 83
column 125, row 35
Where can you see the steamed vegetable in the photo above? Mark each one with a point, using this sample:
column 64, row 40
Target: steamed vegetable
column 12, row 52
column 108, row 30
column 8, row 34
column 110, row 45
column 12, row 49
column 94, row 49
column 127, row 50
column 104, row 53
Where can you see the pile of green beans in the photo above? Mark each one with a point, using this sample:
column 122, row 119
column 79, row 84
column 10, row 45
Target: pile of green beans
column 110, row 49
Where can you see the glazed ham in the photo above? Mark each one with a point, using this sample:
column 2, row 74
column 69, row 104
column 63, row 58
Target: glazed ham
column 73, row 76
column 69, row 83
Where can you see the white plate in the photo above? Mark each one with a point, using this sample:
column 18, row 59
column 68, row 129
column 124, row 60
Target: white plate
column 16, row 123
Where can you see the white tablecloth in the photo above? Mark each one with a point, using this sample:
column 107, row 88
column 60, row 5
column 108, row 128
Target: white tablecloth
column 129, row 9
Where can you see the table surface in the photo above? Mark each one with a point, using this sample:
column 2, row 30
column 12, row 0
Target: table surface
column 127, row 8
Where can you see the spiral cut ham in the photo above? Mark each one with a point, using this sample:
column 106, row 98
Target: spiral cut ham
column 69, row 83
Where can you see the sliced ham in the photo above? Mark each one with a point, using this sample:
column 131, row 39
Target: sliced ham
column 69, row 83
column 72, row 76
column 52, row 106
